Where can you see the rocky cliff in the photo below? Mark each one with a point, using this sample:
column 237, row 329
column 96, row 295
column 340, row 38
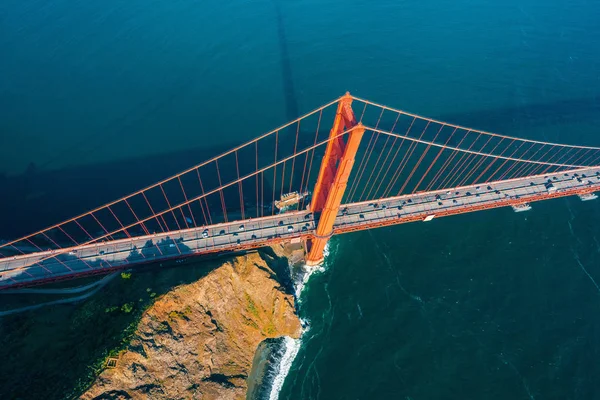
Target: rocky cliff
column 198, row 340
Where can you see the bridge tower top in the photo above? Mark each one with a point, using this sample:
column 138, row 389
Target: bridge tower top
column 333, row 176
column 344, row 120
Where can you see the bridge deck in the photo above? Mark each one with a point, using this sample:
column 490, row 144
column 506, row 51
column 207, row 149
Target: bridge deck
column 97, row 258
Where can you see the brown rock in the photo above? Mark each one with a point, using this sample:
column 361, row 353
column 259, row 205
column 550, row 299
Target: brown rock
column 198, row 341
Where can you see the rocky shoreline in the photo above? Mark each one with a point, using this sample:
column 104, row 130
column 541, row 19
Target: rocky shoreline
column 200, row 340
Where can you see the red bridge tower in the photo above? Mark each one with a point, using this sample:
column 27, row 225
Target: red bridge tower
column 333, row 177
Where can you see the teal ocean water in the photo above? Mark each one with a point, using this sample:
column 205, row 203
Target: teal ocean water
column 99, row 98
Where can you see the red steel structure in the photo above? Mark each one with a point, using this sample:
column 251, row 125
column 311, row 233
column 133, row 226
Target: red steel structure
column 333, row 177
column 417, row 166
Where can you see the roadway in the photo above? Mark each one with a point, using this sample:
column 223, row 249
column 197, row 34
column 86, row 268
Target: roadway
column 252, row 233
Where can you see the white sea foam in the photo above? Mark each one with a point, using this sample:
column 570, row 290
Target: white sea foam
column 292, row 346
column 306, row 272
column 291, row 349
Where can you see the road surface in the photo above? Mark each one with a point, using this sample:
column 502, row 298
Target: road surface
column 252, row 233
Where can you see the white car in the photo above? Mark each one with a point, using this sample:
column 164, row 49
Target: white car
column 290, row 228
column 241, row 228
column 205, row 233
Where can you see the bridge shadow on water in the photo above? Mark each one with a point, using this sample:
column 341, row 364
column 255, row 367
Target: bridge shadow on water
column 289, row 92
column 40, row 198
column 46, row 337
column 152, row 252
column 512, row 119
column 154, row 256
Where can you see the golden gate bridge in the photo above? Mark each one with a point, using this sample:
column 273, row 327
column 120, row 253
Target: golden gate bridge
column 376, row 166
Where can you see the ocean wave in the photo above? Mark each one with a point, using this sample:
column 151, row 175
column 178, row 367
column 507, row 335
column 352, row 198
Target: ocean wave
column 291, row 347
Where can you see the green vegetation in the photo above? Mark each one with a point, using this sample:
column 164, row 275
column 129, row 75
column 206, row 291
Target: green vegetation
column 270, row 328
column 126, row 275
column 173, row 315
column 68, row 345
column 251, row 323
column 163, row 327
column 251, row 306
column 127, row 307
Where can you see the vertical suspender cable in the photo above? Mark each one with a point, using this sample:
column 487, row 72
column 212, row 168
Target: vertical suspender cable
column 275, row 173
column 419, row 161
column 186, row 199
column 391, row 147
column 480, row 162
column 136, row 218
column 256, row 176
column 294, row 159
column 410, row 152
column 508, row 171
column 209, row 221
column 362, row 167
column 154, row 214
column 221, row 191
column 393, row 159
column 311, row 161
column 240, row 188
column 170, row 208
column 446, row 163
column 119, row 222
column 505, row 161
column 439, row 153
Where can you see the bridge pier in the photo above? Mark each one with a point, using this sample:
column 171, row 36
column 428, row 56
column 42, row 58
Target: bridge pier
column 333, row 177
